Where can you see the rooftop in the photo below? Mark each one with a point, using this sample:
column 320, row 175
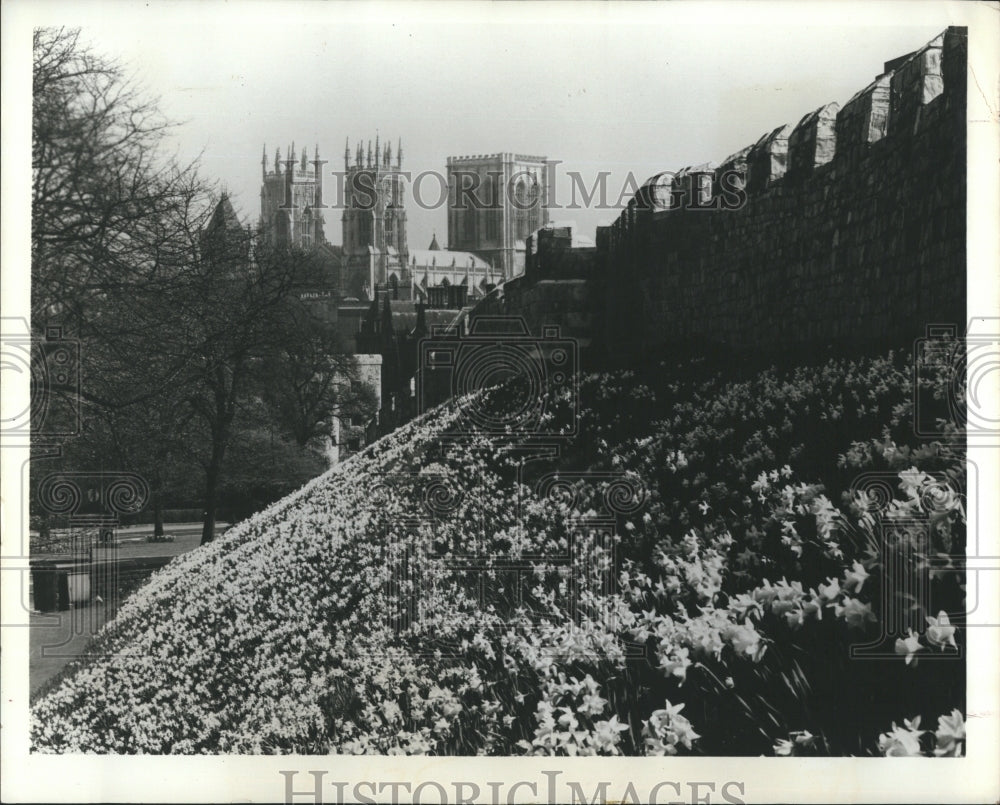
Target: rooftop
column 446, row 258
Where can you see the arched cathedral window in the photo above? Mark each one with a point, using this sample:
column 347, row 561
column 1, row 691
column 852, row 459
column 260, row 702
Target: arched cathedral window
column 521, row 211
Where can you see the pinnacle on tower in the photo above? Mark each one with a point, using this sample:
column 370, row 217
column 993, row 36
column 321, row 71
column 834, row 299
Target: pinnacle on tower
column 377, row 154
column 399, row 153
column 277, row 160
column 388, row 154
column 369, row 153
column 304, row 159
column 347, row 153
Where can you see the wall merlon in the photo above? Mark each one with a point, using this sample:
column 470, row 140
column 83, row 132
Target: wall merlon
column 768, row 159
column 734, row 163
column 914, row 84
column 655, row 193
column 863, row 120
column 813, row 142
column 695, row 182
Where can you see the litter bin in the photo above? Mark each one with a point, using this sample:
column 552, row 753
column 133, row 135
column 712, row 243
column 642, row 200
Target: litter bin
column 58, row 584
column 78, row 584
column 44, row 589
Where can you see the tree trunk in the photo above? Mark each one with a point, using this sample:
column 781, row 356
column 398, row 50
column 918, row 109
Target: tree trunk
column 213, row 473
column 157, row 515
column 211, row 491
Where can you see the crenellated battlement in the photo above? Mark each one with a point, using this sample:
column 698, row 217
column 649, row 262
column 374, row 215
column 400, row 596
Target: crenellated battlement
column 844, row 229
column 297, row 172
column 848, row 227
column 505, row 156
column 895, row 105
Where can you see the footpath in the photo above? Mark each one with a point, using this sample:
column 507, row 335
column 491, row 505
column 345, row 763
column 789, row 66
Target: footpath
column 75, row 615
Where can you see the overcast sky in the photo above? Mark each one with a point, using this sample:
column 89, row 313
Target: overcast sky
column 617, row 88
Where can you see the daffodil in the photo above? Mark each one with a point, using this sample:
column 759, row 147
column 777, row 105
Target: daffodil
column 854, row 612
column 902, row 741
column 940, row 632
column 831, row 590
column 607, row 735
column 909, row 646
column 950, row 735
column 854, row 578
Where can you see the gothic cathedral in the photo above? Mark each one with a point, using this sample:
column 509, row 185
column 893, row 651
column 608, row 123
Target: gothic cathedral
column 374, row 221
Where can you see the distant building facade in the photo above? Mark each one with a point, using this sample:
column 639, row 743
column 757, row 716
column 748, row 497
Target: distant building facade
column 291, row 199
column 391, row 332
column 433, row 268
column 291, row 216
column 348, row 435
column 373, row 221
column 495, row 201
column 380, row 295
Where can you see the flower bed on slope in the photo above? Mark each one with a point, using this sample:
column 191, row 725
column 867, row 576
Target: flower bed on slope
column 464, row 596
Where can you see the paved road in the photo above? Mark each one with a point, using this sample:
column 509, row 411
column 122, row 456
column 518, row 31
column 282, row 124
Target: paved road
column 187, row 536
column 132, row 539
column 57, row 638
column 169, row 528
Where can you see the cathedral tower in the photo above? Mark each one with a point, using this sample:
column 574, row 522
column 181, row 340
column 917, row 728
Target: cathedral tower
column 495, row 201
column 374, row 221
column 291, row 199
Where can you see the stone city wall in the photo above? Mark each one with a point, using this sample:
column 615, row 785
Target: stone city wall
column 852, row 231
column 846, row 229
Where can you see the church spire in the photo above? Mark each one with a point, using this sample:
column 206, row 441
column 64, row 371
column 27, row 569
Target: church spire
column 399, row 153
column 377, row 154
column 347, row 153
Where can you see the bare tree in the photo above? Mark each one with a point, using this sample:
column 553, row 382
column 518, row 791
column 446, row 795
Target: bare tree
column 310, row 378
column 176, row 306
column 107, row 208
column 233, row 313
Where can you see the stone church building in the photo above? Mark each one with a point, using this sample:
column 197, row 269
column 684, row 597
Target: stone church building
column 495, row 201
column 381, row 295
column 375, row 252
